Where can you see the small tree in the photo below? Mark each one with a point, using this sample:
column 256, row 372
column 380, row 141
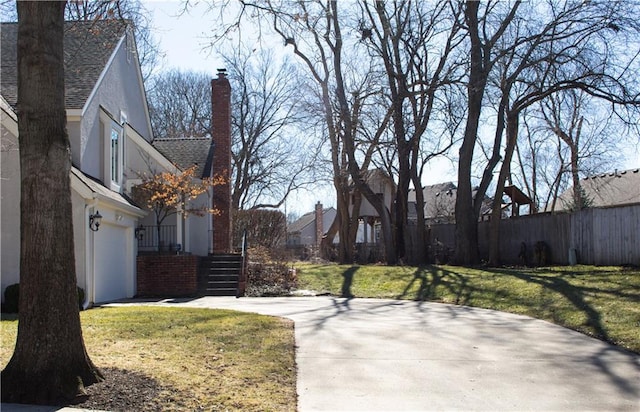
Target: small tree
column 168, row 193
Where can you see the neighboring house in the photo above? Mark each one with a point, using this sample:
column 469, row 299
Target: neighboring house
column 440, row 204
column 383, row 186
column 606, row 189
column 310, row 227
column 110, row 134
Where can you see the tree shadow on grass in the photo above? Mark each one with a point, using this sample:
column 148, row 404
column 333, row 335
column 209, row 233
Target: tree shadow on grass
column 574, row 294
column 348, row 281
column 433, row 283
column 430, row 278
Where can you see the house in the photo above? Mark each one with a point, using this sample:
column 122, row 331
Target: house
column 110, row 134
column 616, row 188
column 440, row 204
column 384, row 187
column 310, row 227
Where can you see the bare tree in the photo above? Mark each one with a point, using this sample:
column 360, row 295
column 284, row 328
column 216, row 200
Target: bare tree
column 50, row 364
column 268, row 163
column 180, row 104
column 559, row 51
column 313, row 29
column 483, row 39
column 402, row 35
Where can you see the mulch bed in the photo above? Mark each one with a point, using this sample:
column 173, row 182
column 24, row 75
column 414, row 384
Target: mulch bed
column 124, row 390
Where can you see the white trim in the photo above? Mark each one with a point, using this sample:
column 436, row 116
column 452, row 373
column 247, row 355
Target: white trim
column 74, row 114
column 102, row 75
column 89, row 247
column 88, row 194
column 80, row 188
column 108, row 125
column 145, row 104
column 114, row 204
column 8, row 118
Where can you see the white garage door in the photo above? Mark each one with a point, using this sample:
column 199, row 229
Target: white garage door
column 113, row 275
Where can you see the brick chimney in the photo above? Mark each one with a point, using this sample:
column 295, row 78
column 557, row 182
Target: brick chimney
column 221, row 141
column 319, row 223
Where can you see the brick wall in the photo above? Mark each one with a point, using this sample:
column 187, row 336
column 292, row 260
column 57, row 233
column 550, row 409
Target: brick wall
column 221, row 139
column 167, row 275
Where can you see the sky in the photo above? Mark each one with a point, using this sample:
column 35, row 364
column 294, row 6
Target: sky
column 183, row 36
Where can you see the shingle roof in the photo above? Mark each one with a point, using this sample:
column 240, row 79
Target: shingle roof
column 305, row 220
column 185, row 152
column 440, row 202
column 97, row 187
column 606, row 189
column 87, row 49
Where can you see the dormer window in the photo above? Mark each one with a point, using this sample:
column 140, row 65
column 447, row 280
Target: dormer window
column 113, row 151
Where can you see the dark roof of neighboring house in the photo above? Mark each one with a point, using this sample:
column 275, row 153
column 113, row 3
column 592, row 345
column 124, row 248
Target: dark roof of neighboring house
column 606, row 189
column 88, row 45
column 185, row 152
column 305, row 220
column 440, row 201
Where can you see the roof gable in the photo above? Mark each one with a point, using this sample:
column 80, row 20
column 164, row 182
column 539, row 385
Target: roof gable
column 305, row 220
column 88, row 46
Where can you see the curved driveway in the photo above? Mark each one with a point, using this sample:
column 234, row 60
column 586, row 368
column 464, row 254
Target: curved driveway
column 388, row 355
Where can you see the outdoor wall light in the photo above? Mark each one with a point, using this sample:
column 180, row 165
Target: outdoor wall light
column 94, row 221
column 140, row 231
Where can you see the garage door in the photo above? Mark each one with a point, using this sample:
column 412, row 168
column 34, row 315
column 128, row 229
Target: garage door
column 113, row 275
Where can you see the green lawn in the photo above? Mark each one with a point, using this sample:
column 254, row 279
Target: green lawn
column 208, row 359
column 603, row 302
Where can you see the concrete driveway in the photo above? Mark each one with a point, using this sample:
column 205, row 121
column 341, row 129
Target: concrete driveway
column 388, row 355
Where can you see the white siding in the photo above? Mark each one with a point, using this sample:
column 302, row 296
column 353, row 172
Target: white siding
column 119, row 91
column 10, row 209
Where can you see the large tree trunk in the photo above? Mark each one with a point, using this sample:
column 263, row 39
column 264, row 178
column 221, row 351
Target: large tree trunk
column 345, row 247
column 505, row 171
column 50, row 364
column 466, row 221
column 402, row 194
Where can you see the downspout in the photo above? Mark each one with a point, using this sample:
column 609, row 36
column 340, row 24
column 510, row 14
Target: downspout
column 89, row 258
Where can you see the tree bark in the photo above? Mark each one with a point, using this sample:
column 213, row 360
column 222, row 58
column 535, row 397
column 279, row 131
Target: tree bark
column 505, row 171
column 50, row 364
column 466, row 232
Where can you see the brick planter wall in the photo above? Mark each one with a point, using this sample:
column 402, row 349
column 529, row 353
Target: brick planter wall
column 167, row 275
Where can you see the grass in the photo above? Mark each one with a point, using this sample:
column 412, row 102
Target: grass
column 603, row 302
column 212, row 359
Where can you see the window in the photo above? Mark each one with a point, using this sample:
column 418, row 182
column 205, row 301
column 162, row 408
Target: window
column 115, row 154
column 112, row 152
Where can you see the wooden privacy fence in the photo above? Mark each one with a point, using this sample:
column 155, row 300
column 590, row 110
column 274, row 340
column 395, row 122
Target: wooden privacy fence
column 598, row 236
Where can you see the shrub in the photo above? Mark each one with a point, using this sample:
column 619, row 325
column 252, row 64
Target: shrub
column 267, row 276
column 12, row 295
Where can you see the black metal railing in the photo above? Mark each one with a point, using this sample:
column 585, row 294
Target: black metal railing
column 159, row 239
column 242, row 281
